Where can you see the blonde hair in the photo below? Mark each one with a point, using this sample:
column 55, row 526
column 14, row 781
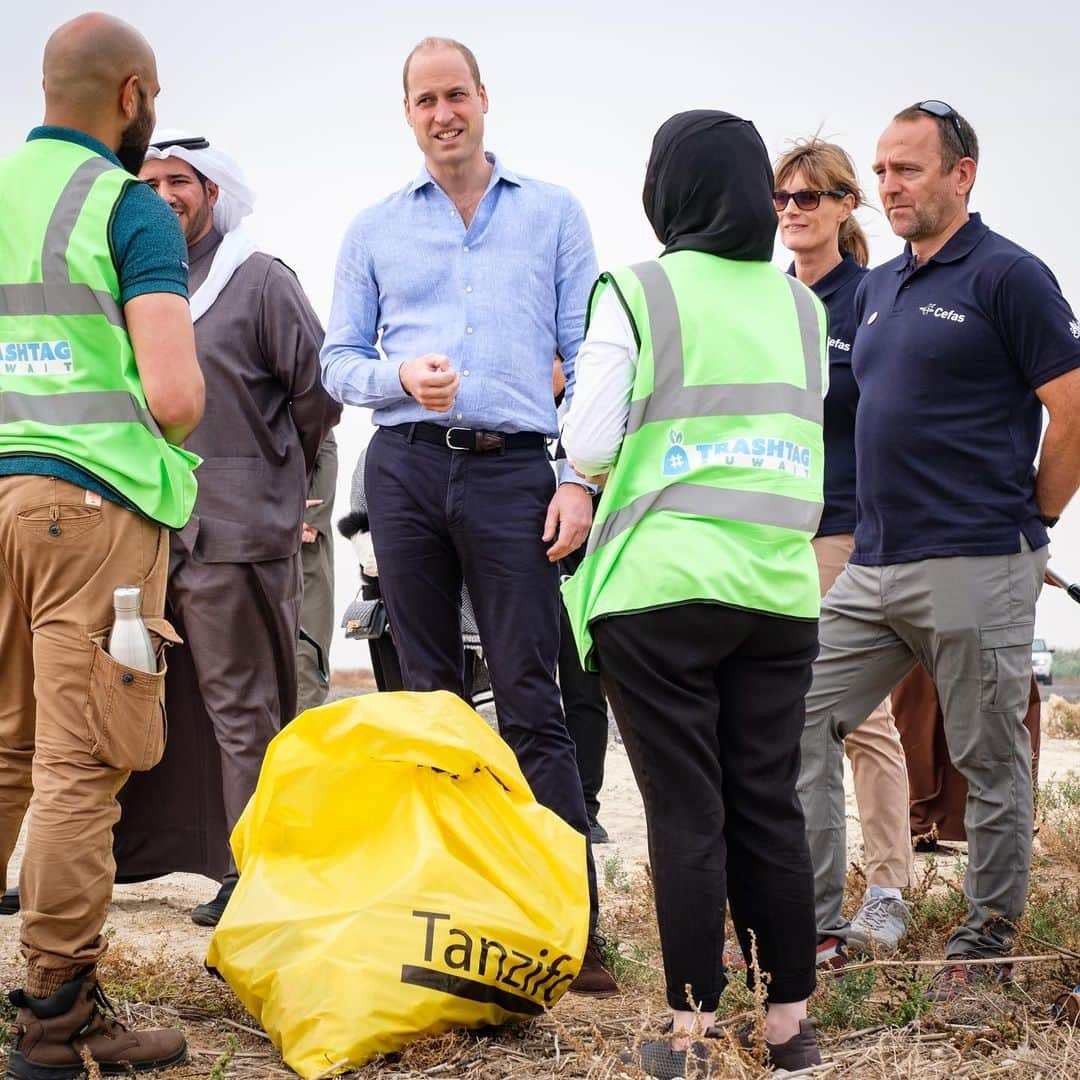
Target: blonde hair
column 828, row 166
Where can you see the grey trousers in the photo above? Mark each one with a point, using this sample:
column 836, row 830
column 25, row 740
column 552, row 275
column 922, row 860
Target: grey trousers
column 970, row 622
column 241, row 622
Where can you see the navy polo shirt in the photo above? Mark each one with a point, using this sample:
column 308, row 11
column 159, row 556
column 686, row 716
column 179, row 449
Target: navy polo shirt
column 836, row 290
column 948, row 356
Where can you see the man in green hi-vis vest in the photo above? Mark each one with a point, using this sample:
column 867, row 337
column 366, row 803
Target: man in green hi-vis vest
column 700, row 390
column 99, row 386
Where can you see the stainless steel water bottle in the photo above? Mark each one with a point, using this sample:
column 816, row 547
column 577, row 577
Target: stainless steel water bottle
column 129, row 641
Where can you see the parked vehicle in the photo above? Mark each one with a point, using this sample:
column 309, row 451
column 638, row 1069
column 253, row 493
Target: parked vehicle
column 1042, row 661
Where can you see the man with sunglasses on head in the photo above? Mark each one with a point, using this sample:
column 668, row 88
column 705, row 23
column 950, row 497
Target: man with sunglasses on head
column 235, row 576
column 961, row 341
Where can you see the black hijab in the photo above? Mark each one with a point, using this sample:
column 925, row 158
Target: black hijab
column 708, row 187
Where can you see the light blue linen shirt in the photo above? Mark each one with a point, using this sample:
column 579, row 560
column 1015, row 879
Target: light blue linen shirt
column 498, row 299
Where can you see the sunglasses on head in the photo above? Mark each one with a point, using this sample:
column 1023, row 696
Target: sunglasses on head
column 942, row 110
column 196, row 142
column 809, row 199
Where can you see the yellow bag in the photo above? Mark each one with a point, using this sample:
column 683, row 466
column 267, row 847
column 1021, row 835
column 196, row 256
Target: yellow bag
column 397, row 879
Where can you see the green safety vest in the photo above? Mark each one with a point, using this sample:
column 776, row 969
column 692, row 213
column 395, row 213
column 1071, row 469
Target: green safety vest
column 717, row 489
column 69, row 386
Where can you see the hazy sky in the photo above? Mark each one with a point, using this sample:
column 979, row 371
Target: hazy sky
column 308, row 98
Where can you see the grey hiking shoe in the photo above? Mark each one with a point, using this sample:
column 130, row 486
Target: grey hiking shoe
column 881, row 923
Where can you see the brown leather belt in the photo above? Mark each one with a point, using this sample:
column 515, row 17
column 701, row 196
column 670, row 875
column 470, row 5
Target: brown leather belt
column 470, row 439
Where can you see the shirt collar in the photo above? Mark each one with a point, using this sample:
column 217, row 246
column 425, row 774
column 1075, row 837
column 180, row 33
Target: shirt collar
column 959, row 245
column 839, row 275
column 64, row 134
column 498, row 172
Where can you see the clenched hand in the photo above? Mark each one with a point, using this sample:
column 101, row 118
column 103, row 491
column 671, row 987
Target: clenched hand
column 431, row 380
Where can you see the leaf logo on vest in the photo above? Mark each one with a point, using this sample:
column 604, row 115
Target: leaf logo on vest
column 938, row 312
column 482, row 969
column 756, row 452
column 676, row 461
column 36, row 358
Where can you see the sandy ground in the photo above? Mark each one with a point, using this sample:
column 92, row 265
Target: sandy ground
column 153, row 916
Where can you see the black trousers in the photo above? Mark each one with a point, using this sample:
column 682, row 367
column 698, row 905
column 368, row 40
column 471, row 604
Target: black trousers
column 584, row 705
column 710, row 704
column 440, row 516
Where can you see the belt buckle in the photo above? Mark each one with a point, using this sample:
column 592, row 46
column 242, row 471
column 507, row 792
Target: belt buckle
column 450, row 432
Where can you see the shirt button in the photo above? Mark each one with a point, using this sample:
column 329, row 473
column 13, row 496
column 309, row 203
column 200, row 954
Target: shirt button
column 460, row 416
column 465, row 372
column 468, row 329
column 468, row 288
column 466, row 248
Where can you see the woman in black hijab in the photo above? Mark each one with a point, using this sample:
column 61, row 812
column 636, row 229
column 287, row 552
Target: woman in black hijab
column 696, row 600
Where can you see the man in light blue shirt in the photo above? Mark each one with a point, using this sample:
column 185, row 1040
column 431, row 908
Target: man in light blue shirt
column 451, row 298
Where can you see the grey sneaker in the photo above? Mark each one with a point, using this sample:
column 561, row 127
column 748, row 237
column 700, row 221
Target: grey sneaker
column 881, row 923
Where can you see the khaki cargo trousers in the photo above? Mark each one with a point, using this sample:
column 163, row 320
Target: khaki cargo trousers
column 969, row 621
column 878, row 767
column 73, row 722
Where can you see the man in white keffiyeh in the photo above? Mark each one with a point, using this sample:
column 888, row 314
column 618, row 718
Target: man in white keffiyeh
column 207, row 190
column 235, row 570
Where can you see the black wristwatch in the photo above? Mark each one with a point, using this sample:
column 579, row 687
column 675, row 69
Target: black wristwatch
column 1049, row 522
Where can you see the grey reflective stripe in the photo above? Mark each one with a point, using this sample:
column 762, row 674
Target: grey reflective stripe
column 59, row 298
column 90, row 407
column 701, row 500
column 671, row 399
column 54, row 266
column 58, row 295
column 665, row 332
column 810, row 333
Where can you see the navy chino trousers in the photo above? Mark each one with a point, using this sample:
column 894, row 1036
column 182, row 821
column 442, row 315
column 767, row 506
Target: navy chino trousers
column 439, row 517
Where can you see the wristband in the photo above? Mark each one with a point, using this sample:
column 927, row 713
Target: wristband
column 1049, row 522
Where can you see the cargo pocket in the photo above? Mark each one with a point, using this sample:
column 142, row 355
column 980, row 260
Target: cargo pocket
column 125, row 708
column 1006, row 666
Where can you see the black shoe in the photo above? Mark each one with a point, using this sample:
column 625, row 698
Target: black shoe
column 209, row 914
column 597, row 832
column 801, row 1051
column 9, row 903
column 659, row 1060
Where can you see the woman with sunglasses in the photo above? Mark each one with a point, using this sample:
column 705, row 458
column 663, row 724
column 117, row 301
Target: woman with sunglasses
column 816, row 194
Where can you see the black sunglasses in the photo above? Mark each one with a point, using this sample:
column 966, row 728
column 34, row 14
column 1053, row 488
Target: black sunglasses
column 944, row 111
column 804, row 200
column 195, row 142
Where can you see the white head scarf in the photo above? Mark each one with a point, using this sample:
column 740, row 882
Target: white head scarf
column 234, row 202
column 235, row 198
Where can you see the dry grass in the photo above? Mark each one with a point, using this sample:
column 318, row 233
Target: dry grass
column 352, row 679
column 875, row 1022
column 1062, row 718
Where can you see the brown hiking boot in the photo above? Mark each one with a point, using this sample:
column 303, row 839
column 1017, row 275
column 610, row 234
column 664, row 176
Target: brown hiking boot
column 594, row 979
column 50, row 1036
